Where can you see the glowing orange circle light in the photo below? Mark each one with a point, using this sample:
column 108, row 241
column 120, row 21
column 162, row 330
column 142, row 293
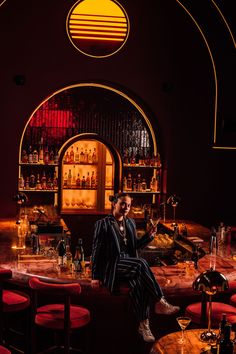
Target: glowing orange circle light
column 98, row 28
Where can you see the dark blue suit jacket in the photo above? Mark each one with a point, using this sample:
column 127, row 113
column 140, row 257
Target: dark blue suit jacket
column 106, row 248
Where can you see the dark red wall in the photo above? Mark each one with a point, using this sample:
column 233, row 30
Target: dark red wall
column 165, row 64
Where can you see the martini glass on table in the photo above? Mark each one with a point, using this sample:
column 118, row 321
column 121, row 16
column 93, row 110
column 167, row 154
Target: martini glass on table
column 183, row 322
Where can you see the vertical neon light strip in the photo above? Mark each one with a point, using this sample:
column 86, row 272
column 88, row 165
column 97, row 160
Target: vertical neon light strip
column 213, row 65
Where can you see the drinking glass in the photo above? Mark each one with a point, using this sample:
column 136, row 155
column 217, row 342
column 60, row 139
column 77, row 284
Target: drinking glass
column 183, row 322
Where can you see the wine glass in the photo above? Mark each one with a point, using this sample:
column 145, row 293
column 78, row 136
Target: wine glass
column 183, row 322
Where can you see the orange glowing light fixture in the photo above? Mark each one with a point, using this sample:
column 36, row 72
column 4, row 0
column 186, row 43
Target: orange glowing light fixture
column 98, row 28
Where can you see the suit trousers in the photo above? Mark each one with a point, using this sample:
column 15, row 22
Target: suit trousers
column 143, row 285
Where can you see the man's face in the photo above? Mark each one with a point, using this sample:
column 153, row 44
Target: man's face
column 122, row 207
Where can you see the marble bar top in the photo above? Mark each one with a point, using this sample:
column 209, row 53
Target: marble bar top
column 174, row 279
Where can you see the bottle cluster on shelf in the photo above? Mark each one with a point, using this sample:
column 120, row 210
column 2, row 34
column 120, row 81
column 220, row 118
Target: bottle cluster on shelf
column 38, row 181
column 81, row 155
column 140, row 184
column 40, row 154
column 70, row 180
column 141, row 158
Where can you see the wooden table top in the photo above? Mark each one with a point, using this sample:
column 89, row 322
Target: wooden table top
column 168, row 344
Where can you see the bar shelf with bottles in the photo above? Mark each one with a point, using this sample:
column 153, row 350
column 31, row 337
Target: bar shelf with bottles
column 86, row 164
column 38, row 171
column 141, row 172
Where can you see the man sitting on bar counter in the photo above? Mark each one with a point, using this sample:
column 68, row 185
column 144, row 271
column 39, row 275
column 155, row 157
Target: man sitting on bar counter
column 115, row 258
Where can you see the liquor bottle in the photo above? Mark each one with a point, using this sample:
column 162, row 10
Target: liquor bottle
column 44, row 181
column 67, row 157
column 55, row 181
column 139, row 183
column 226, row 345
column 77, row 155
column 61, row 249
column 81, row 156
column 73, row 182
column 38, row 183
column 88, row 181
column 35, row 156
column 49, row 183
column 72, row 155
column 132, row 159
column 46, row 156
column 69, row 179
column 24, row 156
column 65, row 180
column 129, row 182
column 124, row 184
column 30, row 155
column 222, row 324
column 69, row 258
column 21, row 182
column 153, row 184
column 32, row 181
column 157, row 160
column 79, row 256
column 93, row 180
column 90, row 157
column 41, row 152
column 85, row 156
column 141, row 159
column 94, row 156
column 27, row 183
column 83, row 183
column 144, row 185
column 78, row 181
column 134, row 185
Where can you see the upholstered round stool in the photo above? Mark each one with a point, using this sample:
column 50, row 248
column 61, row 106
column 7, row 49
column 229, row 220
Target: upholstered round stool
column 61, row 317
column 4, row 350
column 194, row 311
column 11, row 302
column 233, row 300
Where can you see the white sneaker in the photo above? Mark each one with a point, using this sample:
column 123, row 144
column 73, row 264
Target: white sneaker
column 163, row 307
column 145, row 331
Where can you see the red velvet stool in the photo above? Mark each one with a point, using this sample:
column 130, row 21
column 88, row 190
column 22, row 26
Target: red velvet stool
column 11, row 302
column 4, row 350
column 233, row 300
column 194, row 311
column 61, row 316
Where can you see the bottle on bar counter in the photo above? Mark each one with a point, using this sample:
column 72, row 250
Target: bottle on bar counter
column 226, row 345
column 61, row 249
column 69, row 258
column 222, row 325
column 79, row 256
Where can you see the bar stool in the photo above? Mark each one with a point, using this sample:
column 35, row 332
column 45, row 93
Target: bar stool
column 11, row 302
column 4, row 350
column 62, row 318
column 198, row 313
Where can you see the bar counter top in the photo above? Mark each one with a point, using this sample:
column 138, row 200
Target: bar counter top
column 173, row 279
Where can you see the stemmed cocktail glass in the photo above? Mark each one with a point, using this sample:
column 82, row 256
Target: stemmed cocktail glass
column 183, row 322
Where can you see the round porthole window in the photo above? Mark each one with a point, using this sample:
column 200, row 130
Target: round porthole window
column 97, row 28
